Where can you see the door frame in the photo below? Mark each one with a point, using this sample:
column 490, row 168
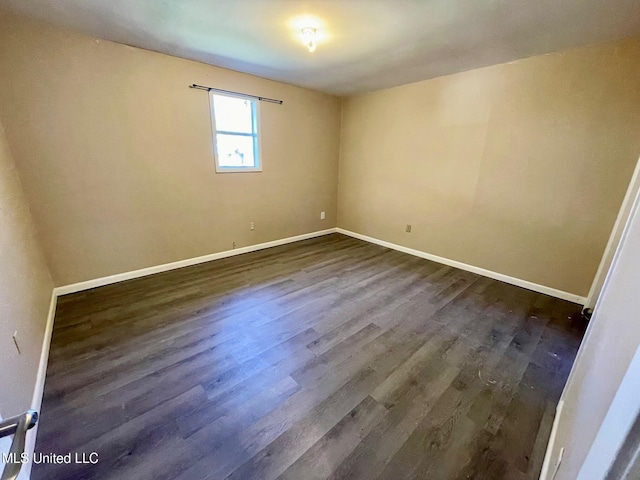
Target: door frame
column 614, row 239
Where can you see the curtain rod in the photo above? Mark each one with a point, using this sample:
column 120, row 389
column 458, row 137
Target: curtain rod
column 211, row 89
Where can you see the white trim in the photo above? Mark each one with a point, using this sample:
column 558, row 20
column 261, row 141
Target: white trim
column 635, row 207
column 614, row 429
column 552, row 440
column 571, row 297
column 614, row 239
column 257, row 151
column 586, row 339
column 36, row 401
column 143, row 272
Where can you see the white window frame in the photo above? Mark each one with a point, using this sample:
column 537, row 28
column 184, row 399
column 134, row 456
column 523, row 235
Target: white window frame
column 257, row 152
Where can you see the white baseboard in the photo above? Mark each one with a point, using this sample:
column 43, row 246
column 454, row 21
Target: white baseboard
column 571, row 297
column 36, row 401
column 546, row 465
column 143, row 272
column 77, row 287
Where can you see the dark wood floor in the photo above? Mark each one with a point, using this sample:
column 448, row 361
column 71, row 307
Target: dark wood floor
column 328, row 358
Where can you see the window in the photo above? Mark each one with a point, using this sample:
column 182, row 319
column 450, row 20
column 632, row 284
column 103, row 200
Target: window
column 235, row 133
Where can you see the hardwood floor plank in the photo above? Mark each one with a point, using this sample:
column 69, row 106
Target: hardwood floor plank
column 327, row 453
column 326, row 358
column 432, row 434
column 300, row 423
column 133, row 438
column 376, row 450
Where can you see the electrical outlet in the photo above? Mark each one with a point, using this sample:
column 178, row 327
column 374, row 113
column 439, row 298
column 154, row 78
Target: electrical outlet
column 234, row 245
column 408, row 229
column 252, row 226
column 322, row 216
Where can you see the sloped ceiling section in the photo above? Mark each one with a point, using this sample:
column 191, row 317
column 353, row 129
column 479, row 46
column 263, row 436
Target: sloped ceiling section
column 363, row 45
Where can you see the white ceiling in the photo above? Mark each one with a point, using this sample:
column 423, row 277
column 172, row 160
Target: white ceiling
column 364, row 45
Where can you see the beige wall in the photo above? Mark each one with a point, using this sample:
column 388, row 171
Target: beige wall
column 115, row 154
column 25, row 291
column 517, row 168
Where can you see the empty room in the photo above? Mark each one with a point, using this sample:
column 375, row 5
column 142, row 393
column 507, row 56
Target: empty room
column 277, row 239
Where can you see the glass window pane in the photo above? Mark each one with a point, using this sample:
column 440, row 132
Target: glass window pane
column 235, row 151
column 233, row 114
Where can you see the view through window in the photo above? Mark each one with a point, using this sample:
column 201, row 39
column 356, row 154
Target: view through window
column 235, row 129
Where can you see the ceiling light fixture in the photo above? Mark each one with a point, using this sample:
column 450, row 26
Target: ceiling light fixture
column 309, row 38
